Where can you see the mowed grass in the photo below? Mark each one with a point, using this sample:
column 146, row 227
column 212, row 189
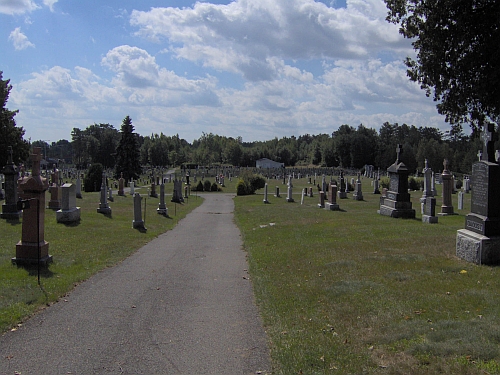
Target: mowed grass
column 354, row 292
column 79, row 250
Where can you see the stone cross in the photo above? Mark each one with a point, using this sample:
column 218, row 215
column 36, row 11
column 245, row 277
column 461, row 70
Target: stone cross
column 36, row 158
column 479, row 155
column 399, row 150
column 487, row 136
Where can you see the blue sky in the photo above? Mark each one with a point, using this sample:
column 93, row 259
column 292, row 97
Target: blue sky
column 258, row 69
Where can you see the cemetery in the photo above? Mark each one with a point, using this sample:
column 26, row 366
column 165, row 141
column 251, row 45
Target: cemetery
column 373, row 291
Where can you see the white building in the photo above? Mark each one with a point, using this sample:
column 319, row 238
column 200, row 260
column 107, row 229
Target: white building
column 268, row 163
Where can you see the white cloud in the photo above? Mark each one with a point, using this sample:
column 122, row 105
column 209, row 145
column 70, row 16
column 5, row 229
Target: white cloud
column 50, row 4
column 19, row 40
column 245, row 35
column 12, row 7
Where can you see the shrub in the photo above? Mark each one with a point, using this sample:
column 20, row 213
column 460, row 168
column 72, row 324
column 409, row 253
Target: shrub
column 413, row 184
column 249, row 182
column 199, row 186
column 384, row 182
column 214, row 187
column 207, row 185
column 241, row 188
column 458, row 184
column 93, row 179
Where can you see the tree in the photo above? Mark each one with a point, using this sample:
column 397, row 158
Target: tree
column 456, row 43
column 128, row 152
column 10, row 134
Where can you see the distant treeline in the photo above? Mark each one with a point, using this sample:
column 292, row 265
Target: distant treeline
column 347, row 147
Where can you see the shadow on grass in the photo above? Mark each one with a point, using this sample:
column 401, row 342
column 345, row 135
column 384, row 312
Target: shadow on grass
column 14, row 221
column 72, row 224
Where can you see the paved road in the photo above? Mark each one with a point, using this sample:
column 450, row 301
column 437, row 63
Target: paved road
column 182, row 304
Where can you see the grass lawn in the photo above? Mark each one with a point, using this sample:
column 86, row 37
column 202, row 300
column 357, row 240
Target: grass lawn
column 79, row 250
column 354, row 292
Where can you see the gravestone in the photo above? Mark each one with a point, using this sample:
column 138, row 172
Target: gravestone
column 131, row 185
column 11, row 175
column 78, row 193
column 153, row 193
column 265, row 194
column 332, row 198
column 121, row 185
column 460, row 200
column 33, row 249
column 289, row 197
column 321, row 203
column 110, row 195
column 397, row 201
column 177, row 192
column 376, row 186
column 2, row 181
column 103, row 204
column 277, row 192
column 68, row 213
column 342, row 191
column 479, row 242
column 138, row 223
column 162, row 207
column 447, row 191
column 358, row 194
column 428, row 201
column 467, row 185
column 302, row 196
column 55, row 194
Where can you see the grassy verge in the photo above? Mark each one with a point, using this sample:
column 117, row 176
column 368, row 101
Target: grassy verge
column 353, row 292
column 79, row 251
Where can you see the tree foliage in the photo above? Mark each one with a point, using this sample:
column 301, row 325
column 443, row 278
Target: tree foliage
column 457, row 54
column 128, row 152
column 10, row 134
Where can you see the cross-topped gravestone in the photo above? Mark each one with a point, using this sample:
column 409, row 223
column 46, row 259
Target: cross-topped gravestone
column 479, row 155
column 487, row 136
column 399, row 150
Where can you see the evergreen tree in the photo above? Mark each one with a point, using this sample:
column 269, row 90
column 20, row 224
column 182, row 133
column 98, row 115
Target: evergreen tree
column 10, row 134
column 128, row 152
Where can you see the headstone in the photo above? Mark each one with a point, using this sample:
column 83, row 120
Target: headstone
column 302, row 196
column 447, row 182
column 121, row 185
column 132, row 188
column 342, row 193
column 177, row 192
column 428, row 201
column 479, row 242
column 110, row 195
column 289, row 197
column 358, row 194
column 265, row 200
column 332, row 198
column 68, row 213
column 310, row 192
column 2, row 180
column 33, row 249
column 55, row 196
column 162, row 208
column 397, row 202
column 321, row 203
column 460, row 200
column 153, row 193
column 376, row 186
column 11, row 175
column 78, row 193
column 466, row 185
column 137, row 223
column 277, row 193
column 103, row 204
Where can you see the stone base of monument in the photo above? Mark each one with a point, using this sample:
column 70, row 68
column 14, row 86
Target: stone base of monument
column 10, row 211
column 446, row 211
column 357, row 197
column 429, row 219
column 162, row 211
column 54, row 205
column 476, row 248
column 27, row 254
column 104, row 209
column 68, row 216
column 290, row 200
column 332, row 206
column 342, row 194
column 392, row 208
column 138, row 224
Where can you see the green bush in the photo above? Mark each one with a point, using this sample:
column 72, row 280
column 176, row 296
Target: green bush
column 243, row 188
column 199, row 186
column 207, row 185
column 249, row 182
column 93, row 179
column 384, row 182
column 413, row 184
column 214, row 187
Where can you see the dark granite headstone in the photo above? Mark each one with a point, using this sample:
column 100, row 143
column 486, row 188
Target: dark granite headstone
column 479, row 242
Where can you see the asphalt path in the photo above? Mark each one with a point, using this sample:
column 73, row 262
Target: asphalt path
column 182, row 304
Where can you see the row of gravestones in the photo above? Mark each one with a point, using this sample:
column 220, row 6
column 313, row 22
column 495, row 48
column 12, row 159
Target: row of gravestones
column 25, row 197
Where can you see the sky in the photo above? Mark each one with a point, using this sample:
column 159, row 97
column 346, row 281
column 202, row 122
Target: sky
column 255, row 69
